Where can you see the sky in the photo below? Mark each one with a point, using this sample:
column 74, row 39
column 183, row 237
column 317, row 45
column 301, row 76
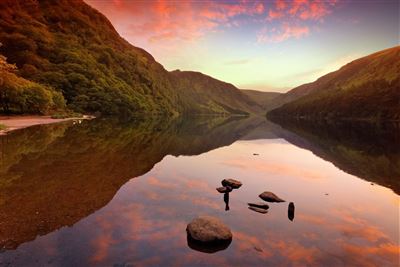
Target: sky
column 272, row 45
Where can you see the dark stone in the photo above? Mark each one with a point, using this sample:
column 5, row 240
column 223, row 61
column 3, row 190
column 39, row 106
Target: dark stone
column 260, row 205
column 291, row 211
column 208, row 229
column 270, row 197
column 232, row 183
column 206, row 247
column 224, row 189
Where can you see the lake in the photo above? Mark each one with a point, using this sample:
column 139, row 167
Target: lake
column 112, row 193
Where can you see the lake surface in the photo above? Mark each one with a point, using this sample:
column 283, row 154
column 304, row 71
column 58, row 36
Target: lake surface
column 109, row 193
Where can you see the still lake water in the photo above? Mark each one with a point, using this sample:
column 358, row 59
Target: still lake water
column 106, row 193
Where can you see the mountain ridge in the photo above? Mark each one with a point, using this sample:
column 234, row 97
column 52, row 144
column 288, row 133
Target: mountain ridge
column 366, row 88
column 73, row 48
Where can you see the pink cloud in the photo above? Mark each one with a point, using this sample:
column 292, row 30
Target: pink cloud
column 304, row 9
column 294, row 18
column 164, row 20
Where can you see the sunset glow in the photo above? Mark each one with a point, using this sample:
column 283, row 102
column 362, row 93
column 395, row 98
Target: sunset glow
column 265, row 45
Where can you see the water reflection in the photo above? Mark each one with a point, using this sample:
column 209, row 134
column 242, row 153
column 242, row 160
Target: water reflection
column 55, row 175
column 226, row 200
column 207, row 248
column 369, row 151
column 77, row 176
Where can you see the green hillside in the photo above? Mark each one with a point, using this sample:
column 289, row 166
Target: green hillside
column 18, row 95
column 367, row 88
column 74, row 49
column 267, row 100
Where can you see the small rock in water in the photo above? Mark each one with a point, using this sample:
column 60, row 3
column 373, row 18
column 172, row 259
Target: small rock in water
column 224, row 189
column 259, row 210
column 260, row 205
column 291, row 211
column 208, row 234
column 270, row 197
column 232, row 183
column 258, row 249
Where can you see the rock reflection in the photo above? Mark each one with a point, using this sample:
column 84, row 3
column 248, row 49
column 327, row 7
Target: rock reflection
column 207, row 248
column 226, row 200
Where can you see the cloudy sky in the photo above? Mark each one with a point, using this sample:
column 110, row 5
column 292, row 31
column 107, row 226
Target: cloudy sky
column 264, row 45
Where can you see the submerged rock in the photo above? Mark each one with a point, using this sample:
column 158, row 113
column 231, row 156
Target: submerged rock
column 270, row 197
column 259, row 210
column 260, row 205
column 232, row 183
column 207, row 231
column 291, row 211
column 224, row 189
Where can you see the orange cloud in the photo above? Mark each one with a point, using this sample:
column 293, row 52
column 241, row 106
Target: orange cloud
column 303, row 9
column 293, row 17
column 165, row 20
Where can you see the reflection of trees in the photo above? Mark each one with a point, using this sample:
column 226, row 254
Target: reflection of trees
column 55, row 175
column 369, row 151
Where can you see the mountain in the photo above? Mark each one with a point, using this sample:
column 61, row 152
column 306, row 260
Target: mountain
column 203, row 93
column 367, row 88
column 74, row 49
column 267, row 100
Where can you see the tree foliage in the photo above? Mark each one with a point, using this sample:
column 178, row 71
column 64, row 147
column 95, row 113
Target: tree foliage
column 18, row 95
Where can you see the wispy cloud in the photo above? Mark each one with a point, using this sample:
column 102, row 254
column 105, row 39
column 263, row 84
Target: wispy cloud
column 293, row 19
column 164, row 20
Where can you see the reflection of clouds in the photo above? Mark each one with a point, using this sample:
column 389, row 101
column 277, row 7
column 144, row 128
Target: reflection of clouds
column 156, row 182
column 297, row 253
column 103, row 243
column 145, row 225
column 318, row 220
column 355, row 227
column 245, row 243
column 365, row 255
column 275, row 168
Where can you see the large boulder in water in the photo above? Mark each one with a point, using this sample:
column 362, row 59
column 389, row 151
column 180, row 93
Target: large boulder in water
column 235, row 184
column 208, row 231
column 270, row 197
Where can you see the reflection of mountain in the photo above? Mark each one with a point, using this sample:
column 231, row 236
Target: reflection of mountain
column 55, row 175
column 361, row 149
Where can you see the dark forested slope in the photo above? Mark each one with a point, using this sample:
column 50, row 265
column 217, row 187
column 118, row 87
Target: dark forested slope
column 367, row 88
column 73, row 48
